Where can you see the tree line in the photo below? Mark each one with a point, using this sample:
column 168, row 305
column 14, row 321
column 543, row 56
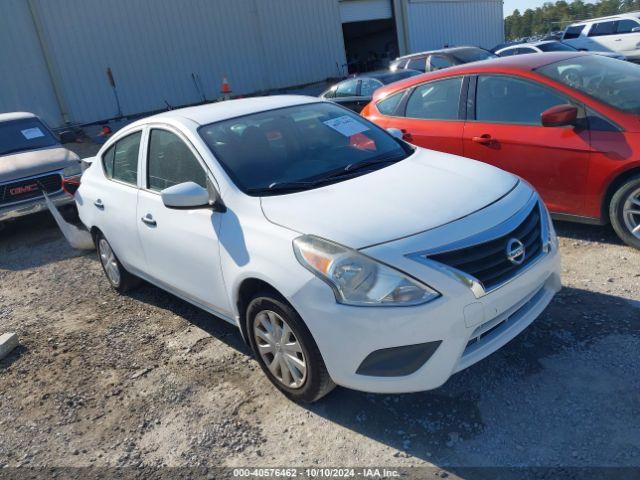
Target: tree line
column 556, row 16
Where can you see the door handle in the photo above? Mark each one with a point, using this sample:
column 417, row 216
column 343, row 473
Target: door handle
column 148, row 219
column 406, row 135
column 98, row 203
column 485, row 139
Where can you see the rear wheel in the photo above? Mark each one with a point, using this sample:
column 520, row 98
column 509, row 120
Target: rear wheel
column 285, row 349
column 118, row 277
column 624, row 212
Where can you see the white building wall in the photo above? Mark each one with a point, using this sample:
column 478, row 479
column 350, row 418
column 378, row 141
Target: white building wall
column 432, row 24
column 25, row 84
column 154, row 46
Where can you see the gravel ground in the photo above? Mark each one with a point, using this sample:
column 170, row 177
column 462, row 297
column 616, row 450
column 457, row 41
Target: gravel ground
column 146, row 379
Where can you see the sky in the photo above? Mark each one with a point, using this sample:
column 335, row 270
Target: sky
column 522, row 5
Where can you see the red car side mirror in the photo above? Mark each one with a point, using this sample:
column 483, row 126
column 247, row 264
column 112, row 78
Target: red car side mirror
column 560, row 116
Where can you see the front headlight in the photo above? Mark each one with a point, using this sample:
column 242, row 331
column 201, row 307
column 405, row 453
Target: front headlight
column 72, row 170
column 357, row 279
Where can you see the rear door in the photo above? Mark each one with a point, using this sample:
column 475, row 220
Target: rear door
column 603, row 36
column 430, row 115
column 504, row 129
column 626, row 38
column 110, row 198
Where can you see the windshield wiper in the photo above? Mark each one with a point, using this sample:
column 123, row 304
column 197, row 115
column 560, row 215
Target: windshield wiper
column 353, row 167
column 344, row 173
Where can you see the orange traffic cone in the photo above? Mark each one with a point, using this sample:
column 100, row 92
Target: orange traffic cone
column 225, row 90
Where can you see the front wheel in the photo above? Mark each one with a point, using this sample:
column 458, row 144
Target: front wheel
column 624, row 212
column 285, row 349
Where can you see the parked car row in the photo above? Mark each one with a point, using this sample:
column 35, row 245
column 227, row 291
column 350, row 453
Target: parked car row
column 308, row 226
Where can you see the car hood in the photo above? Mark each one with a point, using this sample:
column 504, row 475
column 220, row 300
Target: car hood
column 424, row 191
column 35, row 162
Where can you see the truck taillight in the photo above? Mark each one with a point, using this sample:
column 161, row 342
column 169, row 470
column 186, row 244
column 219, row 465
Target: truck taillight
column 71, row 185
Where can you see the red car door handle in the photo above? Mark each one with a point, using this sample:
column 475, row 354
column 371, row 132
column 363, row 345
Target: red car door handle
column 483, row 139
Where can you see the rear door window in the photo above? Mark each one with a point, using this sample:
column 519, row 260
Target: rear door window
column 439, row 100
column 603, row 28
column 626, row 26
column 121, row 160
column 438, row 62
column 389, row 105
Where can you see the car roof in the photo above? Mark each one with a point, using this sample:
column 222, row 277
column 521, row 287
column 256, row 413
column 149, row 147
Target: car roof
column 635, row 14
column 6, row 117
column 215, row 112
column 384, row 74
column 441, row 50
column 529, row 44
column 501, row 64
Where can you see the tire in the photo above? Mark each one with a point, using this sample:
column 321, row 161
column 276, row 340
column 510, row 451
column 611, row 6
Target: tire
column 121, row 280
column 314, row 382
column 624, row 202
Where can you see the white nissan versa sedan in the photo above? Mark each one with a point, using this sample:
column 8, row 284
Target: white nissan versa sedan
column 344, row 255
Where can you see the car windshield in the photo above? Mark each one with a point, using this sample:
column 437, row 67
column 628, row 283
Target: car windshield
column 299, row 147
column 24, row 134
column 611, row 81
column 469, row 55
column 556, row 47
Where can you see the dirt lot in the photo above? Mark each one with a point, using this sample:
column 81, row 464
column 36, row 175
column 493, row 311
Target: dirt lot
column 108, row 380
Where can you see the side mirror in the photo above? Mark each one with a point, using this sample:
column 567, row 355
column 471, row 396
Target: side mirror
column 635, row 29
column 560, row 116
column 396, row 132
column 187, row 195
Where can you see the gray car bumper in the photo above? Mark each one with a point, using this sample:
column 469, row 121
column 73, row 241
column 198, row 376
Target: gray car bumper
column 34, row 205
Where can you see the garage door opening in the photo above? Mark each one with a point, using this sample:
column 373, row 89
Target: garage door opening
column 369, row 45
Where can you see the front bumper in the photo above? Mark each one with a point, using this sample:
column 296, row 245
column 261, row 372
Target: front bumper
column 33, row 205
column 347, row 335
column 464, row 325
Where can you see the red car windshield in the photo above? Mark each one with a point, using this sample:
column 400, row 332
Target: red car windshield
column 611, row 81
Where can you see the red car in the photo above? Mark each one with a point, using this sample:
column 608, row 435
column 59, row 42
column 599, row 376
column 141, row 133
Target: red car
column 568, row 123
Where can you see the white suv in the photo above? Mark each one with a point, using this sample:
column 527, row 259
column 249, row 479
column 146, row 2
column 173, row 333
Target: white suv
column 619, row 33
column 343, row 254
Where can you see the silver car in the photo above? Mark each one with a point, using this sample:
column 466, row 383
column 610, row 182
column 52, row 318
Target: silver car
column 32, row 160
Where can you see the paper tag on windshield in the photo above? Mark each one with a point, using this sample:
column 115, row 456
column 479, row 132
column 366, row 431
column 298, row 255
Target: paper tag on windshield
column 31, row 133
column 346, row 125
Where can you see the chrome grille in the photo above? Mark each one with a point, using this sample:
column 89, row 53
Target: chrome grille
column 488, row 261
column 29, row 188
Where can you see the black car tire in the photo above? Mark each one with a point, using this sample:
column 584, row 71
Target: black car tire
column 317, row 382
column 616, row 211
column 119, row 278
